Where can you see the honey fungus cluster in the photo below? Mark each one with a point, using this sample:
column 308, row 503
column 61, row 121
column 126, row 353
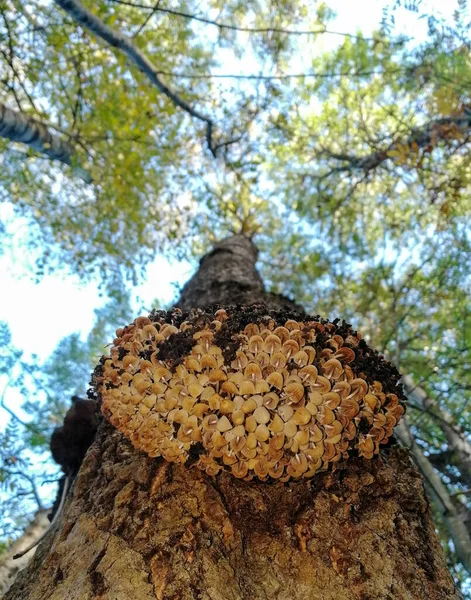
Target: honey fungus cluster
column 273, row 398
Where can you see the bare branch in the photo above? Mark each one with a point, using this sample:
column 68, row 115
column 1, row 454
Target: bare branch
column 122, row 42
column 34, row 490
column 281, row 76
column 220, row 25
column 22, row 128
column 14, row 416
column 147, row 19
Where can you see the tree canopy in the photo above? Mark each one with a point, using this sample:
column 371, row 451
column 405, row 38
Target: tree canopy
column 133, row 128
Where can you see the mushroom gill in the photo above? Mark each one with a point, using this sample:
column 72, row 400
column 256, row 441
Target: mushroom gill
column 258, row 393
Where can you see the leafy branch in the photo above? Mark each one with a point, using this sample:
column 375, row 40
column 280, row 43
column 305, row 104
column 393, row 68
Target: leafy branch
column 425, row 138
column 122, row 42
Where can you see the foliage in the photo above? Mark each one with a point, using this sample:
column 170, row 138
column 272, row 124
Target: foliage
column 376, row 173
column 45, row 390
column 354, row 175
column 144, row 154
column 21, row 475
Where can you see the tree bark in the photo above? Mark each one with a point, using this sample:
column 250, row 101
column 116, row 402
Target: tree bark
column 22, row 128
column 227, row 275
column 137, row 527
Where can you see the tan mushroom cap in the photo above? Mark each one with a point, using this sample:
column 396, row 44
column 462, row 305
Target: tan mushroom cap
column 285, row 403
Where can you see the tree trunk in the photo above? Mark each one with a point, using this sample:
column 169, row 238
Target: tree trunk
column 458, row 445
column 9, row 568
column 140, row 527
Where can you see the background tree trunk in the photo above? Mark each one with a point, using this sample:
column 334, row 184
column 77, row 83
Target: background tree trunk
column 143, row 528
column 9, row 568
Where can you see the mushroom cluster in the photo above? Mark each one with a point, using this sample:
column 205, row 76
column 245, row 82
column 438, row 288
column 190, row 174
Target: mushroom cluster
column 259, row 395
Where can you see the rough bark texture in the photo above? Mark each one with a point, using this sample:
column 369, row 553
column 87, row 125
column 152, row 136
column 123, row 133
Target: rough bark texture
column 142, row 528
column 227, row 275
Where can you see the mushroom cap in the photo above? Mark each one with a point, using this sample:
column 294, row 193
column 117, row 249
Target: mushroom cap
column 258, row 393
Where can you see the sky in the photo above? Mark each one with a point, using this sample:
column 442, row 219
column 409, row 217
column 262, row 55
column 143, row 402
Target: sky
column 57, row 296
column 52, row 300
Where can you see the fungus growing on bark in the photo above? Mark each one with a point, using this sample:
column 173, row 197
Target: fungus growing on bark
column 257, row 393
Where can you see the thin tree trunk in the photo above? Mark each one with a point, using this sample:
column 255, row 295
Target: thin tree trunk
column 142, row 528
column 453, row 519
column 10, row 568
column 22, row 128
column 458, row 444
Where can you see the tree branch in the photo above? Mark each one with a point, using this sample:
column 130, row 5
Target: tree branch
column 34, row 489
column 442, row 463
column 118, row 40
column 458, row 443
column 454, row 520
column 22, row 128
column 220, row 25
column 11, row 59
column 13, row 415
column 424, row 137
column 147, row 19
column 282, row 76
